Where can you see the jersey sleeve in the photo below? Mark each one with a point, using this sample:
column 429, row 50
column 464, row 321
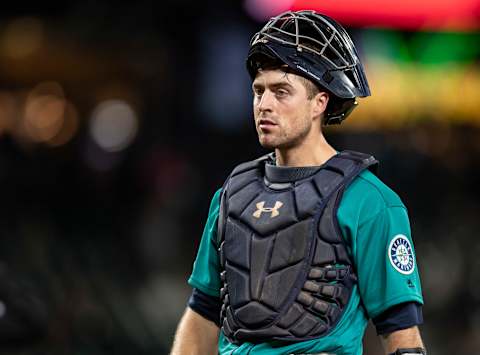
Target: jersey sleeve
column 385, row 261
column 206, row 268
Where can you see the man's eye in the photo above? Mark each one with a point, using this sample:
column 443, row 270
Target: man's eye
column 282, row 92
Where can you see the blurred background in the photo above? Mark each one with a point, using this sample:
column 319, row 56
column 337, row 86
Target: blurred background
column 118, row 122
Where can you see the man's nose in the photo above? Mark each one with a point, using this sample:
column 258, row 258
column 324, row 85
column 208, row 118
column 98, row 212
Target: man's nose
column 266, row 101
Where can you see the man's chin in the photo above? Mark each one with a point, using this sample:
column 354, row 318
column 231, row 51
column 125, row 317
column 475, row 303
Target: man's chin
column 271, row 145
column 267, row 144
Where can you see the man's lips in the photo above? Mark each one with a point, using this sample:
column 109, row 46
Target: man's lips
column 266, row 123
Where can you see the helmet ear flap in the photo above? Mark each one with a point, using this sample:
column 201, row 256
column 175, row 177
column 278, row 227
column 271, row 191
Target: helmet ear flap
column 338, row 109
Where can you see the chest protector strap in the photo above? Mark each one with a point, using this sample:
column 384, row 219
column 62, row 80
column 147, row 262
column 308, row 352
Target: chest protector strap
column 286, row 272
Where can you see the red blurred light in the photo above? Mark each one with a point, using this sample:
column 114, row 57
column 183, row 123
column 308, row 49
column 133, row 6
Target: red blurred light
column 459, row 15
column 407, row 14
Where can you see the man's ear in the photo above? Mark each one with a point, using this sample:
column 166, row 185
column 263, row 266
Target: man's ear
column 320, row 102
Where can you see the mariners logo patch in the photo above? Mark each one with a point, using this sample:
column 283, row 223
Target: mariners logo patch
column 401, row 254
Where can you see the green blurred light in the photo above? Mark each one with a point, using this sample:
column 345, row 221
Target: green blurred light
column 429, row 48
column 386, row 44
column 435, row 48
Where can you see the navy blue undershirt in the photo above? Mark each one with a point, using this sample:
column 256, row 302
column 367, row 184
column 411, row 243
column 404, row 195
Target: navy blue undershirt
column 401, row 316
column 205, row 305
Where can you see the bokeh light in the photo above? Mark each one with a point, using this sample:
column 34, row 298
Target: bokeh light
column 48, row 117
column 69, row 127
column 44, row 117
column 23, row 37
column 113, row 125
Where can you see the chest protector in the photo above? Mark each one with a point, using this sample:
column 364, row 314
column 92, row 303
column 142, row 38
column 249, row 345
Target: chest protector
column 286, row 272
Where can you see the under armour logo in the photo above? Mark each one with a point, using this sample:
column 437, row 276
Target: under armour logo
column 273, row 210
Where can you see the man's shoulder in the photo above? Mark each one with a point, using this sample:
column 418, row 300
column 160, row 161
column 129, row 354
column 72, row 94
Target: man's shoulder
column 367, row 196
column 369, row 183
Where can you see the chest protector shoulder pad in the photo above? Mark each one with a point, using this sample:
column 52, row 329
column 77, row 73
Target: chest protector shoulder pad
column 286, row 272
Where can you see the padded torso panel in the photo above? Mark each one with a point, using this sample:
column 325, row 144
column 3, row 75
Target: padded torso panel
column 286, row 271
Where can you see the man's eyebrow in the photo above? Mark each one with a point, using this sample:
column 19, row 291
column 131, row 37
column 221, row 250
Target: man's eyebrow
column 276, row 84
column 281, row 84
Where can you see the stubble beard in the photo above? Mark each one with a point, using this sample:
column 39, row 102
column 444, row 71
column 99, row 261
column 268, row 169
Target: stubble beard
column 285, row 141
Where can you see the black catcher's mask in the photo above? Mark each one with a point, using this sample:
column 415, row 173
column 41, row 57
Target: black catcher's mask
column 317, row 48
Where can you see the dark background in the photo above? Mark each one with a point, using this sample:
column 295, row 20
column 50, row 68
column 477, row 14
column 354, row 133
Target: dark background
column 118, row 122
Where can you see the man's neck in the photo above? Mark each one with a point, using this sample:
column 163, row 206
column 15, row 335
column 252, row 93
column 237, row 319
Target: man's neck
column 313, row 153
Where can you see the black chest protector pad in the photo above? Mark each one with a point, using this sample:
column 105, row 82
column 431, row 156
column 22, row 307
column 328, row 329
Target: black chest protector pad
column 286, row 271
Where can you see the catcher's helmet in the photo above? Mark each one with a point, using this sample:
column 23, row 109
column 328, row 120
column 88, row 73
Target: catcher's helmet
column 317, row 47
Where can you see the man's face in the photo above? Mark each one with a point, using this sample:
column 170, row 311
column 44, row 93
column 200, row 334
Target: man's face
column 282, row 109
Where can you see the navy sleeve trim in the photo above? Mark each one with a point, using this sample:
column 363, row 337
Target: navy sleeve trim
column 400, row 316
column 205, row 305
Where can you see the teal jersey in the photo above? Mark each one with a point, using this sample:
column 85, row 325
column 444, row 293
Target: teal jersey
column 375, row 225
